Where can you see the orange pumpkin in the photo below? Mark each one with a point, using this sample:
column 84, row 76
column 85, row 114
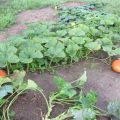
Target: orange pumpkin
column 116, row 66
column 3, row 73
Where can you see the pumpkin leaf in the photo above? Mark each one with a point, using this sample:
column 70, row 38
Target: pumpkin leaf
column 4, row 80
column 18, row 78
column 4, row 90
column 88, row 100
column 83, row 114
column 93, row 46
column 61, row 33
column 72, row 49
column 7, row 54
column 80, row 82
column 31, row 85
column 65, row 88
column 27, row 55
column 78, row 40
column 114, row 108
column 76, row 32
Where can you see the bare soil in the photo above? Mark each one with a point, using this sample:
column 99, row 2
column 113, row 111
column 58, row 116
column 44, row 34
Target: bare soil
column 74, row 4
column 100, row 79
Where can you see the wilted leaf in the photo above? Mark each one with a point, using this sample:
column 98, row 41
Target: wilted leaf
column 80, row 82
column 18, row 78
column 31, row 85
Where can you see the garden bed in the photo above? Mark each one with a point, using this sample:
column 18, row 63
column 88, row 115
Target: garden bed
column 100, row 79
column 31, row 106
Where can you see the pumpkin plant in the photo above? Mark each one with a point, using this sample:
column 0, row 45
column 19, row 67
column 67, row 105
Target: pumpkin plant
column 12, row 87
column 81, row 106
column 44, row 45
column 7, row 55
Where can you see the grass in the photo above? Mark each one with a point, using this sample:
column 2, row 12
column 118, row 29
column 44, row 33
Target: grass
column 111, row 6
column 9, row 9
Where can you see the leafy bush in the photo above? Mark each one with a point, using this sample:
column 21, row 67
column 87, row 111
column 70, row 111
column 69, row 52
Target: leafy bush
column 103, row 28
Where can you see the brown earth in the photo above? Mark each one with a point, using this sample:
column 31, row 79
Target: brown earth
column 100, row 79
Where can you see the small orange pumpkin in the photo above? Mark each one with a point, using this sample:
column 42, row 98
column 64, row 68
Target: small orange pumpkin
column 116, row 66
column 3, row 73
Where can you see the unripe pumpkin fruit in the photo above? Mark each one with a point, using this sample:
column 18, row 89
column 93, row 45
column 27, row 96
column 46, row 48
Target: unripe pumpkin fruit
column 3, row 73
column 116, row 66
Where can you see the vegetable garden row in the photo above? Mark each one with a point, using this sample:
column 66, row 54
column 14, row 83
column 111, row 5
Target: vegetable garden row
column 79, row 33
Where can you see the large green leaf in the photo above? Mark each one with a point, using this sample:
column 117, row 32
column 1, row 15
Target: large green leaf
column 7, row 54
column 72, row 49
column 18, row 78
column 52, row 42
column 4, row 90
column 4, row 80
column 93, row 46
column 31, row 85
column 16, row 40
column 105, row 41
column 84, row 27
column 115, row 52
column 12, row 58
column 37, row 54
column 83, row 114
column 56, row 51
column 77, row 32
column 88, row 100
column 78, row 40
column 65, row 88
column 61, row 33
column 32, row 44
column 27, row 55
column 107, row 22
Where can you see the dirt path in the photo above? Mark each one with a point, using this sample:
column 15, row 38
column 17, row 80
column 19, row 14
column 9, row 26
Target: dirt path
column 100, row 79
column 29, row 16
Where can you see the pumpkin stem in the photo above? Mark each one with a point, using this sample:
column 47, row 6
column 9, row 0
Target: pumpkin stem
column 8, row 71
column 27, row 67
